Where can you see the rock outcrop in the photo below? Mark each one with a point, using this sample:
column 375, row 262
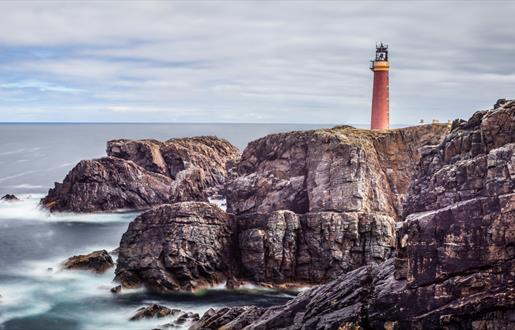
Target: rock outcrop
column 108, row 183
column 9, row 198
column 143, row 174
column 454, row 265
column 177, row 247
column 154, row 311
column 97, row 261
column 313, row 205
column 329, row 206
column 169, row 158
column 330, row 170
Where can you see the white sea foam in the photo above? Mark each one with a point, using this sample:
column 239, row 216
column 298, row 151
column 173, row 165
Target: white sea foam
column 26, row 186
column 28, row 208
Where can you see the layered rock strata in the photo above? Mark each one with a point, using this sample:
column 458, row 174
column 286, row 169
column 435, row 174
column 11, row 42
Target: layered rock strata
column 142, row 174
column 454, row 265
column 284, row 247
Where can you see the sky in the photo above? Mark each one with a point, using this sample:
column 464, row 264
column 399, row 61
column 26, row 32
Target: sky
column 253, row 62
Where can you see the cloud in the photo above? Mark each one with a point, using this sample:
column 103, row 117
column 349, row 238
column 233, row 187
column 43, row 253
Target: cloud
column 42, row 86
column 250, row 61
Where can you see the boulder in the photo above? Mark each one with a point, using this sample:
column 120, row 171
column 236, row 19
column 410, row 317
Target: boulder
column 187, row 317
column 97, row 261
column 177, row 247
column 106, row 184
column 116, row 289
column 154, row 311
column 9, row 198
column 454, row 261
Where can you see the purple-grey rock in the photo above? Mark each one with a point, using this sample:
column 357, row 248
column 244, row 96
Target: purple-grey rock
column 177, row 247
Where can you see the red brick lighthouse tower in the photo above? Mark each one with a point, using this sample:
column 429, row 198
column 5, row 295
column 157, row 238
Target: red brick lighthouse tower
column 380, row 98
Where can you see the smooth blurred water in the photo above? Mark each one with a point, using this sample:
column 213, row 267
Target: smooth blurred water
column 35, row 292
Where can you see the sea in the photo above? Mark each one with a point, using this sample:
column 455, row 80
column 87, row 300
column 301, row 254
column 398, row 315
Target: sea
column 35, row 293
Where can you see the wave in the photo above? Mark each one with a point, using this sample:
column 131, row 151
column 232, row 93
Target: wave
column 26, row 186
column 20, row 150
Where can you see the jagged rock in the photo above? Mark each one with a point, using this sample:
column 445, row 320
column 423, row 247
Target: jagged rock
column 116, row 289
column 189, row 185
column 207, row 153
column 145, row 153
column 283, row 247
column 348, row 222
column 183, row 246
column 108, row 184
column 473, row 161
column 336, row 170
column 142, row 174
column 154, row 311
column 9, row 198
column 454, row 261
column 98, row 261
column 187, row 317
column 342, row 189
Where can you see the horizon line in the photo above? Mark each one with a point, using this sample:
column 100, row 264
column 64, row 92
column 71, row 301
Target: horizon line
column 195, row 123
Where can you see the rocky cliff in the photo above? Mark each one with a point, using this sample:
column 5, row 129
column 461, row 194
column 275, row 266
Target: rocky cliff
column 454, row 262
column 142, row 174
column 313, row 205
column 309, row 206
column 335, row 170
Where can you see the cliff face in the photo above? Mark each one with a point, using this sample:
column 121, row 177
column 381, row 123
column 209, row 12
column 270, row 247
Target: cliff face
column 284, row 247
column 309, row 206
column 454, row 263
column 336, row 170
column 313, row 205
column 142, row 174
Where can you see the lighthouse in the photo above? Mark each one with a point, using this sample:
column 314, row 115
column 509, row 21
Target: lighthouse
column 380, row 97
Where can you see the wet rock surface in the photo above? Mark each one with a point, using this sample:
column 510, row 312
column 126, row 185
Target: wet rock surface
column 454, row 262
column 97, row 261
column 142, row 174
column 177, row 247
column 154, row 311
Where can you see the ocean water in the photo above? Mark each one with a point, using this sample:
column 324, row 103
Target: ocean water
column 35, row 292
